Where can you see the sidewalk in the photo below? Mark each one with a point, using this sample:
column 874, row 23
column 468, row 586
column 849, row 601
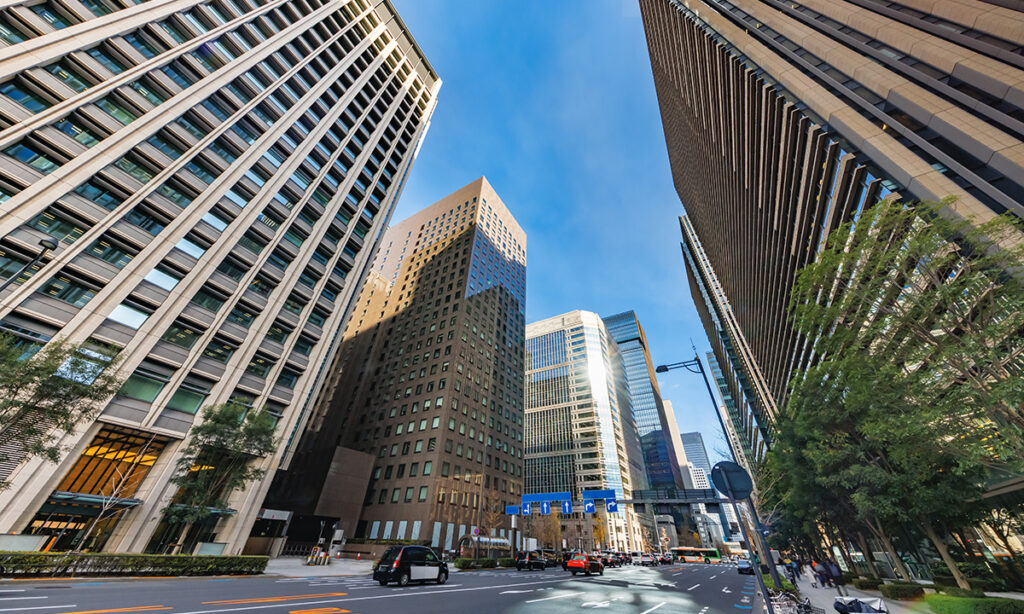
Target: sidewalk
column 824, row 598
column 295, row 567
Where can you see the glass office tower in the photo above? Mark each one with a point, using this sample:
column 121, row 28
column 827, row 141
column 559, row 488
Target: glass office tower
column 216, row 176
column 649, row 410
column 580, row 433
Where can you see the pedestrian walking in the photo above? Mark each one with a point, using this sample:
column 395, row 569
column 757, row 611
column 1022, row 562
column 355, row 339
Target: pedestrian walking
column 837, row 577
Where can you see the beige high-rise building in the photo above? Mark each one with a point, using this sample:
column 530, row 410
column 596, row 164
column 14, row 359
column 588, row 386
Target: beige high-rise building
column 785, row 119
column 427, row 389
column 217, row 176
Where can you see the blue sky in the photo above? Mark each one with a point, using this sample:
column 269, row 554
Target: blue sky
column 553, row 101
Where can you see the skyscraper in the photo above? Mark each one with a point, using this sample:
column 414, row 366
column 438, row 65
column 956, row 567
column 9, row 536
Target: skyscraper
column 215, row 175
column 649, row 412
column 783, row 120
column 696, row 453
column 428, row 384
column 580, row 433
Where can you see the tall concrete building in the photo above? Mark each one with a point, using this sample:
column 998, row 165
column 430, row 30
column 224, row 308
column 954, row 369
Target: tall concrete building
column 216, row 177
column 580, row 433
column 784, row 119
column 427, row 390
column 649, row 411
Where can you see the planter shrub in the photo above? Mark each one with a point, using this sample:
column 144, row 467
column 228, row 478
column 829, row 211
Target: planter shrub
column 869, row 584
column 486, row 563
column 114, row 564
column 786, row 584
column 946, row 604
column 902, row 591
column 464, row 563
column 507, row 562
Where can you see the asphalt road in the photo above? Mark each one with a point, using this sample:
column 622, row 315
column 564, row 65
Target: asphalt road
column 686, row 588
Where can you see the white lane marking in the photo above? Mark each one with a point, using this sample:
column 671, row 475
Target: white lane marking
column 555, row 597
column 677, row 573
column 40, row 607
column 713, row 577
column 693, row 587
column 394, row 594
column 3, row 598
column 529, row 590
column 658, row 606
column 12, row 590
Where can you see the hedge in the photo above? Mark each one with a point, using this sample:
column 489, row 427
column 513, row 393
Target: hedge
column 904, row 591
column 114, row 564
column 786, row 584
column 981, row 583
column 870, row 584
column 486, row 563
column 945, row 604
column 507, row 562
column 464, row 563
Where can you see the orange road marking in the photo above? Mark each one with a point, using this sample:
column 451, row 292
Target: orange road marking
column 321, row 611
column 141, row 608
column 266, row 599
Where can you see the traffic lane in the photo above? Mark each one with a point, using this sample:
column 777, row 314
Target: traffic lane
column 249, row 595
column 631, row 589
column 720, row 586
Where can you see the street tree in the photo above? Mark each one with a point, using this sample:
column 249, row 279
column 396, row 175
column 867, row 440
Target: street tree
column 915, row 325
column 45, row 393
column 217, row 460
column 598, row 530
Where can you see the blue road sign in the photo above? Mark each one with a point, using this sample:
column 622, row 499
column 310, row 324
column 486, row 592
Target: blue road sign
column 511, row 510
column 598, row 494
column 611, row 506
column 566, row 507
column 527, row 509
column 588, row 507
column 545, row 507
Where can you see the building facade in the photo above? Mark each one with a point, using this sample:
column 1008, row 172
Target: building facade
column 649, row 410
column 217, row 176
column 428, row 384
column 580, row 433
column 783, row 120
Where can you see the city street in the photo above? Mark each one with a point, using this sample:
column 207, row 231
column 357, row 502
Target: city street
column 688, row 588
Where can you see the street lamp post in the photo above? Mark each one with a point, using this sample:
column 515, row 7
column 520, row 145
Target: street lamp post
column 695, row 366
column 46, row 245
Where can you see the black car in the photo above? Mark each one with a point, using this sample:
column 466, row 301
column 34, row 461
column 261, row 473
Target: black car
column 610, row 560
column 530, row 561
column 744, row 566
column 404, row 564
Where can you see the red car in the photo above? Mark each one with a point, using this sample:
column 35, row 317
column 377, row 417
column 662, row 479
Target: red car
column 585, row 563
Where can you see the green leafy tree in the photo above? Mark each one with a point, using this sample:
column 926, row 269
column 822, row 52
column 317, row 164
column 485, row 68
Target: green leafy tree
column 217, row 460
column 916, row 327
column 46, row 394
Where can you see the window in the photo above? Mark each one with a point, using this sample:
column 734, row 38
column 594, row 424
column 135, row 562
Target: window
column 191, row 248
column 24, row 97
column 427, row 466
column 108, row 252
column 423, row 493
column 76, row 132
column 242, row 316
column 409, row 494
column 181, row 335
column 50, row 16
column 259, row 366
column 32, row 157
column 57, row 227
column 128, row 315
column 163, row 277
column 143, row 386
column 101, row 196
column 187, row 398
column 111, row 64
column 288, row 379
column 219, row 351
column 395, row 495
column 70, row 291
column 204, row 298
column 116, row 110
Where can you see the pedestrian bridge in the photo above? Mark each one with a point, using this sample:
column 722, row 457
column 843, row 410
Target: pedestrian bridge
column 674, row 496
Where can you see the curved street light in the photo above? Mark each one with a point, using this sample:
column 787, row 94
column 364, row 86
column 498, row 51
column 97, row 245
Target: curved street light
column 46, row 245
